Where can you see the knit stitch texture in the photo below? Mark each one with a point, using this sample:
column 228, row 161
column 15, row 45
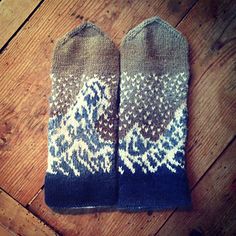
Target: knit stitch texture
column 82, row 128
column 118, row 121
column 153, row 118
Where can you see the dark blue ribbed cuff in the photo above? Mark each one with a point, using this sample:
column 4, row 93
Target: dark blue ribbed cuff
column 98, row 190
column 157, row 191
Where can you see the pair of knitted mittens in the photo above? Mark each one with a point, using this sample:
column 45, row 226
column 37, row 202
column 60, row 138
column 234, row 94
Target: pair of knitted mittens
column 118, row 120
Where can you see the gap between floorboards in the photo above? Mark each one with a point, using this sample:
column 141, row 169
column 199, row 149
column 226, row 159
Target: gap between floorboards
column 200, row 179
column 4, row 47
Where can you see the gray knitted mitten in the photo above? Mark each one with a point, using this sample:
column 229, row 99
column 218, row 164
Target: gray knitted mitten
column 153, row 118
column 82, row 129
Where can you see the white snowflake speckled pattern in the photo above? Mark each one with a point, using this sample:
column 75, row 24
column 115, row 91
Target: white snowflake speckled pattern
column 74, row 145
column 153, row 122
column 134, row 150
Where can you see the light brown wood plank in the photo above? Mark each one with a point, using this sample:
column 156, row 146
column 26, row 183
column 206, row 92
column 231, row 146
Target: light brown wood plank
column 215, row 202
column 25, row 82
column 127, row 224
column 210, row 30
column 25, row 115
column 19, row 220
column 5, row 232
column 12, row 14
column 211, row 128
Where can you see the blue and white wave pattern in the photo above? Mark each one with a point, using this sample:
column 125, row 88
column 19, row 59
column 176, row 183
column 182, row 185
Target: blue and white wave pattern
column 137, row 153
column 74, row 145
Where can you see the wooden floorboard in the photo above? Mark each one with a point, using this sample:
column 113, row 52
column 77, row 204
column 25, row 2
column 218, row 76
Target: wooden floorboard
column 215, row 202
column 12, row 15
column 212, row 86
column 5, row 232
column 25, row 85
column 16, row 219
column 212, row 124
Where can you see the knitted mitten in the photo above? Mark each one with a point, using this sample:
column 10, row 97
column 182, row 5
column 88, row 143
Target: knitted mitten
column 153, row 118
column 83, row 123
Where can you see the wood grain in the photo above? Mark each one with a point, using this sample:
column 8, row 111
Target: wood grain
column 215, row 202
column 25, row 83
column 212, row 92
column 12, row 15
column 211, row 128
column 19, row 220
column 127, row 224
column 5, row 232
column 25, row 86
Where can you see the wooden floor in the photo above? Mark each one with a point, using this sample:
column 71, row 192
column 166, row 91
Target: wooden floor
column 28, row 32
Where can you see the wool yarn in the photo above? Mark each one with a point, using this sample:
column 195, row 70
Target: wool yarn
column 153, row 118
column 118, row 122
column 82, row 128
